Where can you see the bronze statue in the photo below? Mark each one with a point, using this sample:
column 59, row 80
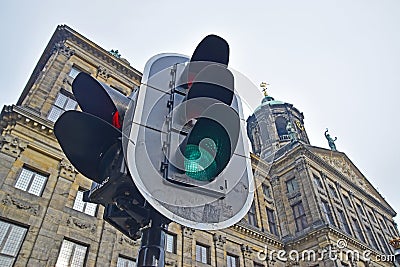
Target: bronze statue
column 331, row 141
column 291, row 131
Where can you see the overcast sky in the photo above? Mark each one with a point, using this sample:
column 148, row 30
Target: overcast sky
column 336, row 61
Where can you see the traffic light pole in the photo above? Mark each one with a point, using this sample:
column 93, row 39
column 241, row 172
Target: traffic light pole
column 152, row 247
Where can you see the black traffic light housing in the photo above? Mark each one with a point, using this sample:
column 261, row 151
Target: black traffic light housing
column 211, row 138
column 92, row 141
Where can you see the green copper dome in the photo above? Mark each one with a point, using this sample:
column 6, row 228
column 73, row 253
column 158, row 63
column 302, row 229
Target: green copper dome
column 269, row 100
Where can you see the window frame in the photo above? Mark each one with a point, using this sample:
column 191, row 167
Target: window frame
column 292, row 185
column 58, row 109
column 232, row 256
column 333, row 191
column 203, row 249
column 273, row 229
column 358, row 230
column 84, row 203
column 174, row 242
column 75, row 244
column 77, row 70
column 5, row 239
column 33, row 174
column 371, row 238
column 360, row 209
column 318, row 181
column 127, row 260
column 343, row 221
column 347, row 200
column 301, row 218
column 328, row 212
column 252, row 215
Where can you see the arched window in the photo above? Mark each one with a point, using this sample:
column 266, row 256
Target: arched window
column 280, row 124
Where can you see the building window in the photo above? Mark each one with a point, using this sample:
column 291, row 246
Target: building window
column 266, row 190
column 359, row 232
column 299, row 216
column 360, row 210
column 382, row 224
column 31, row 182
column 317, row 181
column 272, row 222
column 371, row 216
column 170, row 243
column 328, row 213
column 371, row 237
column 125, row 262
column 203, row 254
column 343, row 222
column 333, row 191
column 393, row 231
column 82, row 206
column 292, row 185
column 280, row 124
column 232, row 261
column 11, row 238
column 74, row 72
column 251, row 215
column 347, row 201
column 71, row 254
column 384, row 245
column 62, row 104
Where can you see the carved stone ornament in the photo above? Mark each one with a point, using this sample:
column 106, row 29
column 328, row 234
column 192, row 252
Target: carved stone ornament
column 73, row 222
column 61, row 48
column 247, row 251
column 187, row 231
column 12, row 145
column 171, row 263
column 344, row 167
column 103, row 72
column 219, row 240
column 67, row 170
column 124, row 239
column 21, row 204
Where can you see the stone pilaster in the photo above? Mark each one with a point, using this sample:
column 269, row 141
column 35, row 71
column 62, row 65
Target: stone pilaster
column 219, row 242
column 247, row 255
column 187, row 253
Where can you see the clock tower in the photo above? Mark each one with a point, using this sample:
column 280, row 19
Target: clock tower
column 273, row 125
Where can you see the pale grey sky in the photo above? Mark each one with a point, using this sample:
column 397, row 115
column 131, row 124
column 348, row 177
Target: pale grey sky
column 336, row 61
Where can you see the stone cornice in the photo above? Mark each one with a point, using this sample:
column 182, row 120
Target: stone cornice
column 63, row 33
column 119, row 64
column 13, row 115
column 10, row 115
column 325, row 230
column 243, row 229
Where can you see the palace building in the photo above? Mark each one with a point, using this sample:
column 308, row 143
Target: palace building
column 309, row 201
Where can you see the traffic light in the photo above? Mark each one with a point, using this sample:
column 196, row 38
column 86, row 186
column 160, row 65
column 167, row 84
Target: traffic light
column 187, row 152
column 92, row 141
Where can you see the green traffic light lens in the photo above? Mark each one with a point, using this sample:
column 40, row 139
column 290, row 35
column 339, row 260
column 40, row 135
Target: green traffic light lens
column 200, row 162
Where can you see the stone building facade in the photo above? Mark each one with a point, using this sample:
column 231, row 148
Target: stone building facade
column 307, row 198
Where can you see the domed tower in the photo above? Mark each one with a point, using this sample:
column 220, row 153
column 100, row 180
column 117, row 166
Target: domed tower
column 273, row 125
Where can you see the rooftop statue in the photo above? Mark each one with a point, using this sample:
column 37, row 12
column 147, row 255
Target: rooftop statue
column 331, row 141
